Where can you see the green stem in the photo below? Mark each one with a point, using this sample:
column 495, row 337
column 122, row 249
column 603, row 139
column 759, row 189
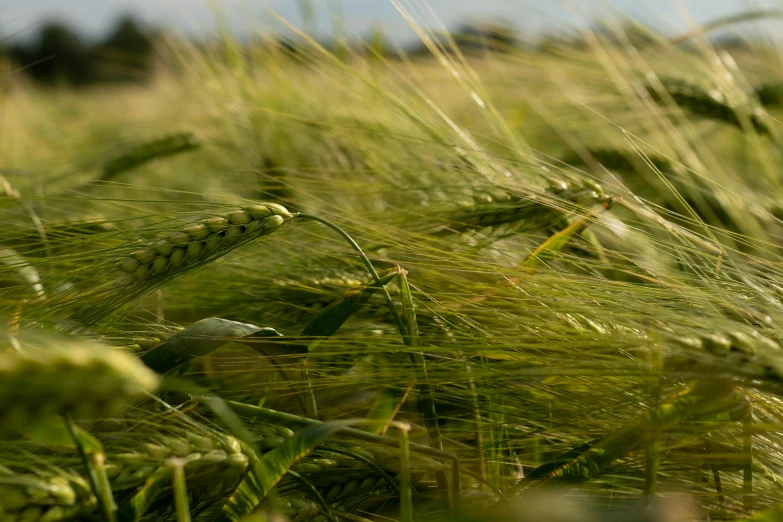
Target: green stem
column 311, row 406
column 105, row 505
column 180, row 491
column 248, row 410
column 367, row 264
column 406, row 501
column 747, row 470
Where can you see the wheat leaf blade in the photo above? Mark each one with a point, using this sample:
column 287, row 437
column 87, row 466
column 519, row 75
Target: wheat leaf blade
column 268, row 471
column 330, row 319
column 200, row 339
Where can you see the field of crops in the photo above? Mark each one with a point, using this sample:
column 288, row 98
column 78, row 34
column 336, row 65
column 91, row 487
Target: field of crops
column 510, row 284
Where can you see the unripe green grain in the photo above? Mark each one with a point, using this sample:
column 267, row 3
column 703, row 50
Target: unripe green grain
column 179, row 447
column 156, row 451
column 209, row 461
column 282, row 431
column 239, row 217
column 325, row 463
column 265, row 430
column 350, row 487
column 717, row 343
column 270, row 224
column 253, row 227
column 279, row 210
column 195, row 250
column 198, row 232
column 177, row 258
column 334, row 492
column 145, row 256
column 163, row 247
column 306, row 467
column 200, row 443
column 258, row 211
column 160, row 264
column 216, row 224
column 180, row 239
column 145, row 343
column 234, row 233
column 129, row 265
column 271, row 442
column 237, row 460
column 213, row 243
column 231, row 445
column 141, row 273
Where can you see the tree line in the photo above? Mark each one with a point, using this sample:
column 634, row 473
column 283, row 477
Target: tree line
column 59, row 55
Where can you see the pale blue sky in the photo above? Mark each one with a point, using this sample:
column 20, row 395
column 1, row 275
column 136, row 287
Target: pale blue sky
column 93, row 17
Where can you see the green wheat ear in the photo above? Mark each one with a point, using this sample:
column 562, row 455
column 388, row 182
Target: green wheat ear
column 708, row 104
column 181, row 252
column 60, row 375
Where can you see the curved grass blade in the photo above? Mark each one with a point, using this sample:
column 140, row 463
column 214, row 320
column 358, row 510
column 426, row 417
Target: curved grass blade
column 200, row 339
column 330, row 319
column 517, row 215
column 586, row 461
column 555, row 244
column 268, row 471
column 248, row 410
column 426, row 400
column 96, row 471
column 385, row 407
column 138, row 505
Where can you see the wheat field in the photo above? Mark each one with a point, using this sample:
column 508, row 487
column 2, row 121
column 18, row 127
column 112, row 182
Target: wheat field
column 289, row 281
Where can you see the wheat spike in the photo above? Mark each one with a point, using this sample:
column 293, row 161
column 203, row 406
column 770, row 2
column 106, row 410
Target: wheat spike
column 83, row 379
column 706, row 104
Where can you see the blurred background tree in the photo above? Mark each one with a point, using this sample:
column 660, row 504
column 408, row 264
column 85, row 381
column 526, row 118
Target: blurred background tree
column 59, row 56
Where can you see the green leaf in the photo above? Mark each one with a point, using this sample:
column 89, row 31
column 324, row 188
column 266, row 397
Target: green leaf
column 384, row 409
column 331, row 318
column 268, row 471
column 53, row 432
column 138, row 505
column 200, row 339
column 555, row 244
